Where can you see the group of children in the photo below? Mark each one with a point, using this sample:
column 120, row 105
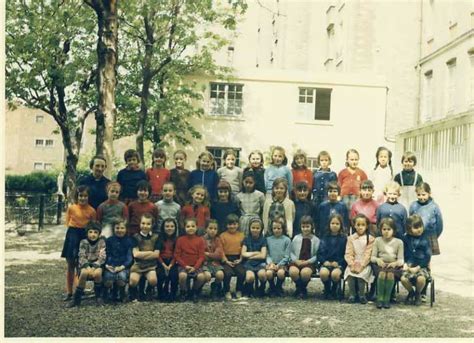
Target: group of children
column 160, row 230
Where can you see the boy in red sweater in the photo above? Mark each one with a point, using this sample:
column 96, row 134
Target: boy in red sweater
column 189, row 254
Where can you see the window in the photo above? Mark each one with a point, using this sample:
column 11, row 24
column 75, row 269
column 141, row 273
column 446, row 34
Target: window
column 226, row 99
column 38, row 166
column 48, row 166
column 312, row 164
column 39, row 118
column 314, row 103
column 451, row 85
column 218, row 153
column 427, row 109
column 49, row 143
column 39, row 143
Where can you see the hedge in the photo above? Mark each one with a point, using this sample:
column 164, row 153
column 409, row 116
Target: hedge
column 42, row 182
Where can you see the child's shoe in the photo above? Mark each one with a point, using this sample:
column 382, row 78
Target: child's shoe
column 106, row 295
column 386, row 305
column 228, row 296
column 182, row 296
column 98, row 294
column 132, row 293
column 379, row 304
column 67, row 297
column 238, row 294
column 417, row 299
column 76, row 301
column 410, row 297
column 351, row 299
column 363, row 300
column 121, row 294
column 303, row 293
column 327, row 290
column 335, row 290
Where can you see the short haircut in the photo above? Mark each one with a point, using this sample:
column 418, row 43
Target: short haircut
column 228, row 152
column 81, row 189
column 169, row 220
column 276, row 182
column 299, row 153
column 307, row 220
column 410, row 156
column 414, row 221
column 143, row 185
column 323, row 153
column 205, row 154
column 159, row 152
column 170, row 183
column 118, row 220
column 392, row 185
column 147, row 216
column 423, row 187
column 334, row 186
column 301, row 186
column 256, row 220
column 191, row 219
column 212, row 221
column 259, row 153
column 282, row 221
column 97, row 157
column 113, row 184
column 341, row 222
column 94, row 225
column 390, row 222
column 131, row 153
column 180, row 152
column 231, row 219
column 367, row 184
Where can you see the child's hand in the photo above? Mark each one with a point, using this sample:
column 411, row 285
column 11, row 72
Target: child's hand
column 110, row 268
column 327, row 264
column 236, row 262
column 380, row 263
column 188, row 269
column 230, row 264
column 191, row 270
column 206, row 254
column 334, row 264
column 392, row 265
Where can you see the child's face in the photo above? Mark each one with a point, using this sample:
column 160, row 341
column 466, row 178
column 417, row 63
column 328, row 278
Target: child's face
column 132, row 162
column 332, row 195
column 159, row 161
column 302, row 194
column 416, row 231
column 232, row 227
column 82, row 198
column 255, row 161
column 277, row 229
column 223, row 195
column 324, row 162
column 335, row 226
column 179, row 160
column 249, row 184
column 170, row 229
column 392, row 195
column 300, row 161
column 98, row 168
column 230, row 161
column 279, row 190
column 168, row 192
column 306, row 229
column 142, row 194
column 255, row 229
column 360, row 226
column 145, row 225
column 113, row 192
column 190, row 227
column 383, row 158
column 408, row 164
column 212, row 230
column 93, row 235
column 387, row 231
column 366, row 193
column 199, row 195
column 205, row 163
column 278, row 157
column 353, row 160
column 120, row 230
column 422, row 196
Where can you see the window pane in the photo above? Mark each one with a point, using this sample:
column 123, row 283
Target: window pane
column 323, row 104
column 38, row 166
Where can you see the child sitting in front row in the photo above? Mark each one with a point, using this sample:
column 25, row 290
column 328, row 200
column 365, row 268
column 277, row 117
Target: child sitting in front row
column 214, row 253
column 417, row 260
column 145, row 253
column 254, row 251
column 358, row 252
column 189, row 255
column 278, row 256
column 232, row 245
column 118, row 261
column 91, row 259
column 303, row 256
column 331, row 256
column 387, row 259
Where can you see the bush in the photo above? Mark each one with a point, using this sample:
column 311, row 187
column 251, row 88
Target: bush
column 42, row 182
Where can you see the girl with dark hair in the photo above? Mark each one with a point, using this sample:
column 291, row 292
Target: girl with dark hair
column 167, row 269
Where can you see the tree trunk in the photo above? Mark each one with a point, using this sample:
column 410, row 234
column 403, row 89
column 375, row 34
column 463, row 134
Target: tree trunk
column 106, row 11
column 156, row 116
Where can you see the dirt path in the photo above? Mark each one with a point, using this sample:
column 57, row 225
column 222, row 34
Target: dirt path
column 34, row 281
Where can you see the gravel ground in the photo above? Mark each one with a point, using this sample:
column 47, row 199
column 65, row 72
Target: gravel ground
column 33, row 308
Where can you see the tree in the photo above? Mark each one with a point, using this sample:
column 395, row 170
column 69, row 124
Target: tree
column 166, row 43
column 48, row 59
column 106, row 81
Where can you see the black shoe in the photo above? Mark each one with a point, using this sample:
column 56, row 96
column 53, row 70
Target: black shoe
column 98, row 294
column 386, row 305
column 417, row 299
column 410, row 297
column 182, row 296
column 379, row 304
column 351, row 299
column 304, row 293
column 76, row 301
column 363, row 300
column 132, row 293
column 67, row 297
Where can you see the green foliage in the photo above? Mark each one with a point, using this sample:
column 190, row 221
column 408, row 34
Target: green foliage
column 171, row 43
column 41, row 182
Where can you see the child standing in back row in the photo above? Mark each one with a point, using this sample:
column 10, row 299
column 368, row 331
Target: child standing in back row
column 277, row 169
column 205, row 175
column 130, row 176
column 382, row 173
column 250, row 200
column 321, row 178
column 300, row 171
column 350, row 178
column 230, row 172
column 157, row 175
column 179, row 176
column 256, row 166
column 408, row 179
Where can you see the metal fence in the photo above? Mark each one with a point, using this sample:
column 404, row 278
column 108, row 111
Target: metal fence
column 32, row 208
